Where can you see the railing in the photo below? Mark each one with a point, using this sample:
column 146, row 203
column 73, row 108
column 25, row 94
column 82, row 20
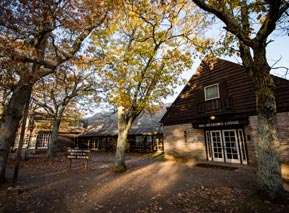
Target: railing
column 215, row 105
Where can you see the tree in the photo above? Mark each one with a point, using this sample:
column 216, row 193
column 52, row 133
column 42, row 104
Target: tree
column 60, row 93
column 5, row 92
column 35, row 38
column 146, row 49
column 251, row 22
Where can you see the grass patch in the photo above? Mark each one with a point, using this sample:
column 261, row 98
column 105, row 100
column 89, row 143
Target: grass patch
column 157, row 155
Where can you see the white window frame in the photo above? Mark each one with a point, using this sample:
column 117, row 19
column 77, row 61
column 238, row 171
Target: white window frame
column 242, row 144
column 235, row 147
column 43, row 139
column 212, row 85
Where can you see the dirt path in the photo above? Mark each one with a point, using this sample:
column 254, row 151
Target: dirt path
column 149, row 185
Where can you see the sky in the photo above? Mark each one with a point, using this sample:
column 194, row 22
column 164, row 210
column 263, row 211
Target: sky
column 278, row 49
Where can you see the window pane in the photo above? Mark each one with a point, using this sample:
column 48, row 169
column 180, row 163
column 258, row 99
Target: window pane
column 43, row 140
column 212, row 92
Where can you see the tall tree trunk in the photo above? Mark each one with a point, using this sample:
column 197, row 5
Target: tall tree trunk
column 52, row 147
column 269, row 169
column 124, row 125
column 21, row 140
column 10, row 122
column 119, row 163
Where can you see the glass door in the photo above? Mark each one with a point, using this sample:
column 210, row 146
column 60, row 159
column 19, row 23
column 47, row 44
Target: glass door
column 217, row 146
column 227, row 145
column 209, row 145
column 231, row 146
column 242, row 146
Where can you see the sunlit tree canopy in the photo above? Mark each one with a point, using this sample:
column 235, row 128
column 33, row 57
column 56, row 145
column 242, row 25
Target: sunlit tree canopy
column 146, row 49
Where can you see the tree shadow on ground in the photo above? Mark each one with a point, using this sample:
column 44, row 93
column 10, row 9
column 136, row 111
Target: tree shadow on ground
column 149, row 185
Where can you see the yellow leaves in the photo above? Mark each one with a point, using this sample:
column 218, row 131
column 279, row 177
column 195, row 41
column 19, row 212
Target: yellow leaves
column 145, row 51
column 261, row 18
column 112, row 99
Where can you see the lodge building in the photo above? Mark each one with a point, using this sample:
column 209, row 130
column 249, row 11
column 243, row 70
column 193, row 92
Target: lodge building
column 38, row 133
column 214, row 117
column 144, row 136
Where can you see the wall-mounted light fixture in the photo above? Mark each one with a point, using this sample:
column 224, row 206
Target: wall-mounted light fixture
column 212, row 117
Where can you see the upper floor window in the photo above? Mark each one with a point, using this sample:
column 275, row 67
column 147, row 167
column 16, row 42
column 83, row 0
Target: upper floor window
column 212, row 92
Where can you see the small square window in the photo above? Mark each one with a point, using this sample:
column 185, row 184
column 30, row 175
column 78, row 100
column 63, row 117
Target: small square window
column 212, row 92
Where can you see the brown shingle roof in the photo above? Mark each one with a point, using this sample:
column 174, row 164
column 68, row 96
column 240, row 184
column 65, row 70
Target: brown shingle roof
column 105, row 124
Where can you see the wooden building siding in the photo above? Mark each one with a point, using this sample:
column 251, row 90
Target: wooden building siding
column 234, row 83
column 282, row 94
column 231, row 136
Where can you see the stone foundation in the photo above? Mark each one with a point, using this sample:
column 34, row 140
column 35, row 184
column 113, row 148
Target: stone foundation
column 184, row 142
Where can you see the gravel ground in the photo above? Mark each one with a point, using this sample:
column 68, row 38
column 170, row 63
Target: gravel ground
column 149, row 185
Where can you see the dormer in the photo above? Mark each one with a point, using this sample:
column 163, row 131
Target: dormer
column 215, row 99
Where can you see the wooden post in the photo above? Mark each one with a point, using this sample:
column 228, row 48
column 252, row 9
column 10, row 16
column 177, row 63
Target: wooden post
column 86, row 165
column 78, row 154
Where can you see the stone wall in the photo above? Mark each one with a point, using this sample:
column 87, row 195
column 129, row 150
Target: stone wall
column 283, row 129
column 184, row 142
column 251, row 141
